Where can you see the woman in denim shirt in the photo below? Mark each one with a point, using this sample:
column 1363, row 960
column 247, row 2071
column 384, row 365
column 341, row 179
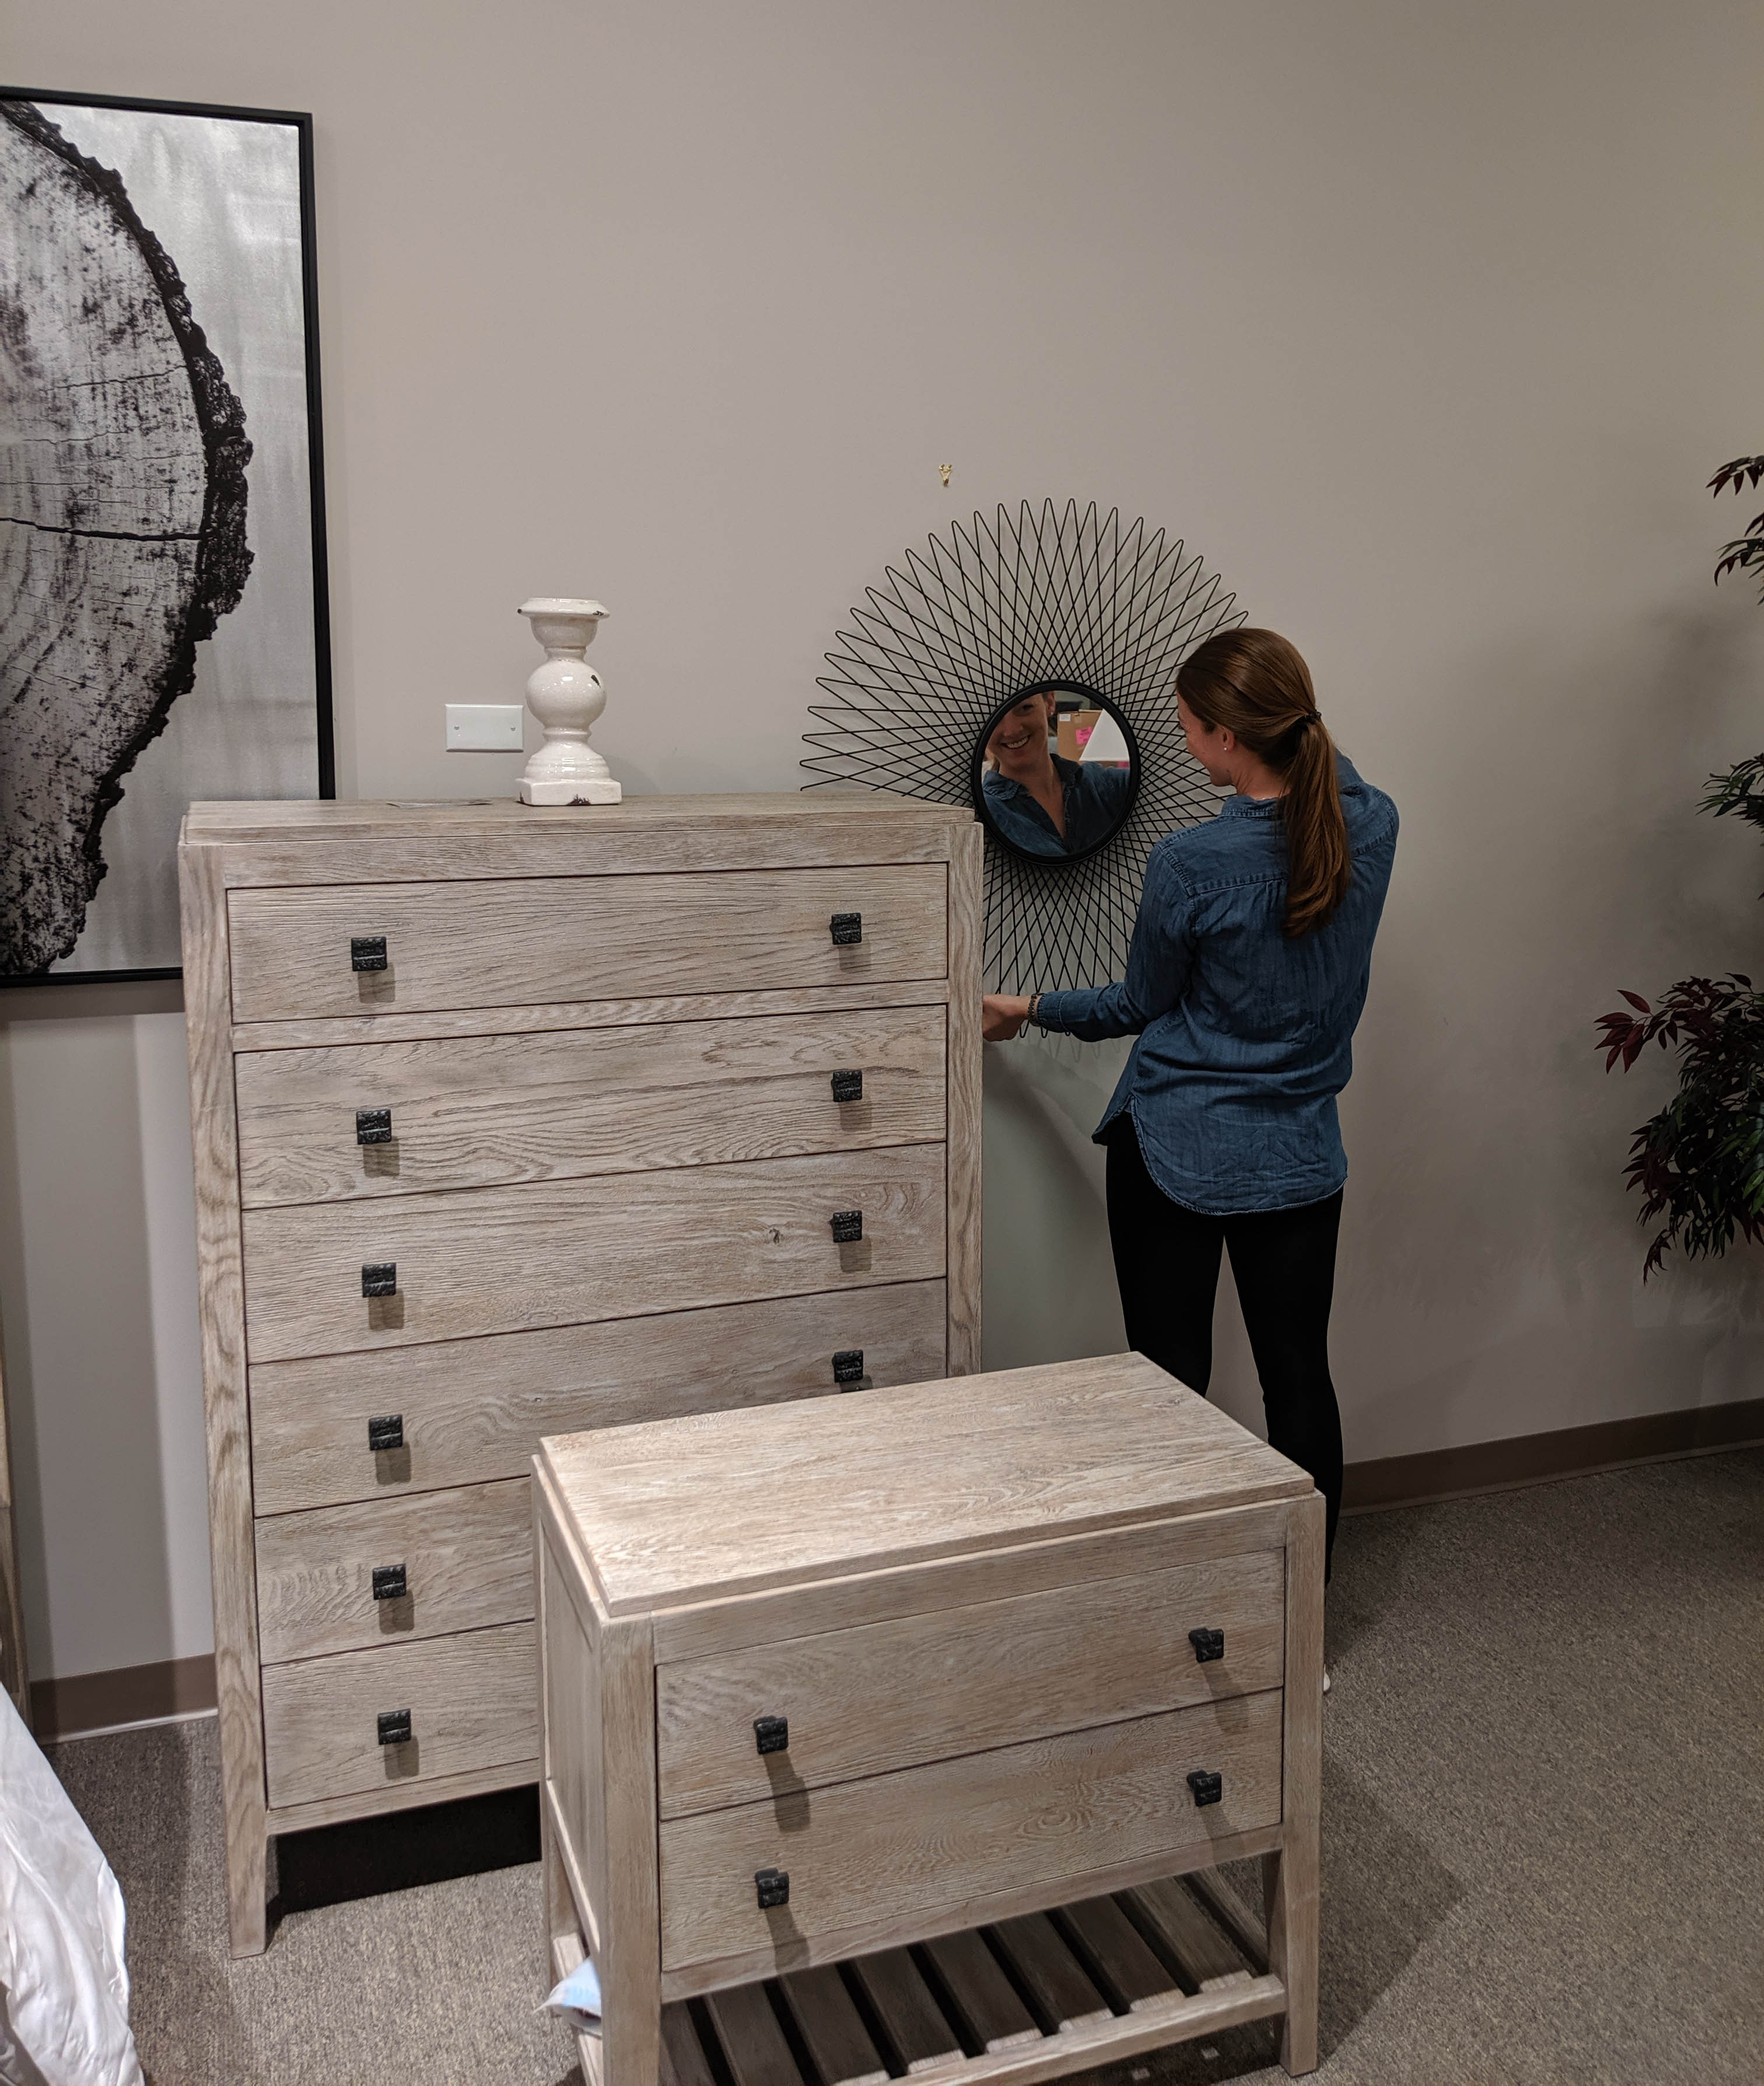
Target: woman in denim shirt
column 1247, row 972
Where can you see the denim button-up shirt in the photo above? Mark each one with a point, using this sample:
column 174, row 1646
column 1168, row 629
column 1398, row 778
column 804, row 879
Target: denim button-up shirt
column 1094, row 801
column 1244, row 1037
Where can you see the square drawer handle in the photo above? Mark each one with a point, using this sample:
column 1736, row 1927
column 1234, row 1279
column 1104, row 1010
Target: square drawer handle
column 395, row 1727
column 373, row 1126
column 379, row 1278
column 848, row 1365
column 367, row 952
column 386, row 1431
column 1208, row 1788
column 847, row 929
column 772, row 1734
column 772, row 1886
column 1208, row 1644
column 847, row 1226
column 848, row 1085
column 389, row 1582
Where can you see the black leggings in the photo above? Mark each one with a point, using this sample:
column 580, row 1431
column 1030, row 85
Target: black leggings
column 1166, row 1261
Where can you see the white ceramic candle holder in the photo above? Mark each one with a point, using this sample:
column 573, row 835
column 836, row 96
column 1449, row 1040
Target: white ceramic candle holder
column 566, row 695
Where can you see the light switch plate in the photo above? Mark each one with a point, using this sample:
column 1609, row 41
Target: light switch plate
column 484, row 727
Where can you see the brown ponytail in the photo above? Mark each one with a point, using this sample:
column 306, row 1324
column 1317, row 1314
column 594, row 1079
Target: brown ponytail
column 1254, row 684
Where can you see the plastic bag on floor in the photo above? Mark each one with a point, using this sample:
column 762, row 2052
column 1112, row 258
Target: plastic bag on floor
column 64, row 1989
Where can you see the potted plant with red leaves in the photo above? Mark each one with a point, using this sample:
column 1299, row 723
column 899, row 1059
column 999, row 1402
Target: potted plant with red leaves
column 1699, row 1163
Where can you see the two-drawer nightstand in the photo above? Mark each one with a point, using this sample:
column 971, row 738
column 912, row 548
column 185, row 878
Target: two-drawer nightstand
column 942, row 1685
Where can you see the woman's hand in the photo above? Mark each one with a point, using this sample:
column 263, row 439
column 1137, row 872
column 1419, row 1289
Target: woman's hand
column 1002, row 1016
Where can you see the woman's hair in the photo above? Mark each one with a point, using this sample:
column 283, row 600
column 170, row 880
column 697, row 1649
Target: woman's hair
column 1254, row 683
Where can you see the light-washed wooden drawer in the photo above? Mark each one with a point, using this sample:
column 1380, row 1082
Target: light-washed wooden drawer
column 497, row 1260
column 465, row 1557
column 472, row 1699
column 484, row 1111
column 522, row 941
column 923, row 1687
column 467, row 1411
column 913, row 1846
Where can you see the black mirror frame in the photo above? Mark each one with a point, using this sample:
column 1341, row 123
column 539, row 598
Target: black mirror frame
column 1094, row 699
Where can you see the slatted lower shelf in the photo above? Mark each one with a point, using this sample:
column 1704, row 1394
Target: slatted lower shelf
column 1027, row 1999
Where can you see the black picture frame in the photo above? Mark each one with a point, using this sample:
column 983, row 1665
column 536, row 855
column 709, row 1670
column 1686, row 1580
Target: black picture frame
column 300, row 123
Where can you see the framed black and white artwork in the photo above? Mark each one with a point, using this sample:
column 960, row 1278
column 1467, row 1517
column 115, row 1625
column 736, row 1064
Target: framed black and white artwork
column 164, row 631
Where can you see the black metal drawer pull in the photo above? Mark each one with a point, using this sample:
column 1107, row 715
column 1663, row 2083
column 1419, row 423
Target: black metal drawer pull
column 389, row 1583
column 386, row 1431
column 379, row 1278
column 1207, row 1788
column 848, row 1365
column 772, row 1734
column 1208, row 1644
column 847, row 928
column 367, row 952
column 847, row 1226
column 772, row 1886
column 373, row 1126
column 395, row 1727
column 848, row 1085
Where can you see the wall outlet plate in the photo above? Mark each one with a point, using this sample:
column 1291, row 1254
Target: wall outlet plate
column 484, row 727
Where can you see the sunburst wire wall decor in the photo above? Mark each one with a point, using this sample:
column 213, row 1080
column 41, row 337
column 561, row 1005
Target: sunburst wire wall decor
column 1053, row 600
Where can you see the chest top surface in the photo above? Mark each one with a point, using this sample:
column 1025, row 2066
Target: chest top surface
column 729, row 1503
column 213, row 822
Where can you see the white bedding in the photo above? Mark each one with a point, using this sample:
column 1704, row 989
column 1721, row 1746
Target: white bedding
column 64, row 1988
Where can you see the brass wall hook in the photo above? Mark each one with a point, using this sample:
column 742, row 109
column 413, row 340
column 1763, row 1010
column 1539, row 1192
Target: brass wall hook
column 944, row 470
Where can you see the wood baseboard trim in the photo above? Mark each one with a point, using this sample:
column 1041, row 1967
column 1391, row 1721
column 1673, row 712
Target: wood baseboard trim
column 1539, row 1459
column 79, row 1704
column 82, row 1704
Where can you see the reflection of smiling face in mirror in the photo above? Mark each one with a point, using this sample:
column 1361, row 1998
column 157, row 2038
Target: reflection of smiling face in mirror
column 1049, row 803
column 1021, row 745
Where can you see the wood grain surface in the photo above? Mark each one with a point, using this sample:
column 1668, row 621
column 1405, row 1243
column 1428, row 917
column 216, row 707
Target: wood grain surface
column 571, row 1716
column 468, row 1556
column 491, row 943
column 885, row 1595
column 502, row 1260
column 1056, row 1985
column 473, row 1699
column 782, row 815
column 1115, row 1954
column 792, row 1951
column 489, row 1110
column 832, row 2032
column 899, row 1997
column 967, row 940
column 475, row 1410
column 922, row 1688
column 1186, row 1935
column 220, row 1299
column 982, row 1999
column 562, row 1016
column 375, row 1802
column 686, row 1510
column 1293, row 1871
column 906, row 1843
column 753, row 2043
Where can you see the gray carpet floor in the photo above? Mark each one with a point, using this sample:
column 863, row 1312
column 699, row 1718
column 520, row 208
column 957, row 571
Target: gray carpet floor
column 1543, row 1835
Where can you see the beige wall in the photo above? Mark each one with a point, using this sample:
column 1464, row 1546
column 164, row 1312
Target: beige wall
column 1426, row 324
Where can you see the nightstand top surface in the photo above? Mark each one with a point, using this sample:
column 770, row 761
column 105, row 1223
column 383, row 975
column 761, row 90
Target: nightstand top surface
column 725, row 1504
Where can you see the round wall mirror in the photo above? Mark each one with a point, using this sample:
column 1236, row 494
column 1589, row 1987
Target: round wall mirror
column 1056, row 768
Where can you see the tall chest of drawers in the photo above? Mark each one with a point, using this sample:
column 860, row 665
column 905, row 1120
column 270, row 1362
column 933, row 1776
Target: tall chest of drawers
column 511, row 1122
